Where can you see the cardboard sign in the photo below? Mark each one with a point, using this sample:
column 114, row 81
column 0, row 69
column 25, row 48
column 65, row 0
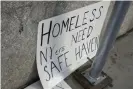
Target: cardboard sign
column 37, row 85
column 65, row 41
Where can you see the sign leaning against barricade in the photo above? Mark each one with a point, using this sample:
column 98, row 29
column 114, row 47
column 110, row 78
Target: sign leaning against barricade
column 66, row 40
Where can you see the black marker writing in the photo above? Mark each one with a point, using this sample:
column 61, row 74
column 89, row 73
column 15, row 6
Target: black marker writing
column 48, row 33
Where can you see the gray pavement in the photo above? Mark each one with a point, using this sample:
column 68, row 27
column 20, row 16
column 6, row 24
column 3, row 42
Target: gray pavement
column 120, row 63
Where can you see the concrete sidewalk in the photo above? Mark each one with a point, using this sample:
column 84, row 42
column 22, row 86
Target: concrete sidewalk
column 120, row 63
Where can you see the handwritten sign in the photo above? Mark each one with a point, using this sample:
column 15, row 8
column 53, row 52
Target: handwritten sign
column 65, row 41
column 37, row 85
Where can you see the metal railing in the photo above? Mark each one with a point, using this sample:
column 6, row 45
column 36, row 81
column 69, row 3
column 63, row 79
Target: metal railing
column 113, row 26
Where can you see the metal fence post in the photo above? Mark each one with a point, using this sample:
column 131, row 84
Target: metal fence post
column 113, row 26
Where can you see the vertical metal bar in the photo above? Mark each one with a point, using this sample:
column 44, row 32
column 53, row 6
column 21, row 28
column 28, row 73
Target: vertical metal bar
column 113, row 26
